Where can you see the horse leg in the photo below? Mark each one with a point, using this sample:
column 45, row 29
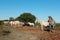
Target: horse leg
column 33, row 26
column 51, row 28
column 42, row 27
column 11, row 24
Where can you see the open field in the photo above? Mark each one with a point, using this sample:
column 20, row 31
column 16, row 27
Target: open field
column 29, row 33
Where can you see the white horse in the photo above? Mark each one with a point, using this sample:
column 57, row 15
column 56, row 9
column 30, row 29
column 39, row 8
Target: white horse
column 14, row 23
column 11, row 23
column 6, row 22
column 31, row 24
column 17, row 23
column 43, row 24
column 21, row 23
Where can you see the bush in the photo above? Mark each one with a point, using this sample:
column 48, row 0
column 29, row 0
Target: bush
column 1, row 22
column 57, row 27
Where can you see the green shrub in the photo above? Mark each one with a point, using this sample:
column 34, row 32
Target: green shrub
column 1, row 22
column 57, row 27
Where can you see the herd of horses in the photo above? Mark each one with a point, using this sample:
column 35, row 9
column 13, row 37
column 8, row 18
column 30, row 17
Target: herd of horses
column 44, row 24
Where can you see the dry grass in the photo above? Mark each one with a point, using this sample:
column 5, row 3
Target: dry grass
column 29, row 33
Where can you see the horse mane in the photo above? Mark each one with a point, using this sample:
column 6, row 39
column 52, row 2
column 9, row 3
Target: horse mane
column 50, row 18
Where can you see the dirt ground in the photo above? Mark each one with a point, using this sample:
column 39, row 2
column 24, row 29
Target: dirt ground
column 43, row 35
column 29, row 33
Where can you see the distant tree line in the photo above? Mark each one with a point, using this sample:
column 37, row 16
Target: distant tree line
column 24, row 17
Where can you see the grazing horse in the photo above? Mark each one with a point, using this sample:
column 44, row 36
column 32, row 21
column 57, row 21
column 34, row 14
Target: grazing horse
column 51, row 23
column 14, row 23
column 17, row 23
column 6, row 22
column 31, row 24
column 43, row 24
column 11, row 23
column 21, row 23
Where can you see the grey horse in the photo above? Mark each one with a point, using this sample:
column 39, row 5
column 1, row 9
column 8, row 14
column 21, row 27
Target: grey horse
column 51, row 23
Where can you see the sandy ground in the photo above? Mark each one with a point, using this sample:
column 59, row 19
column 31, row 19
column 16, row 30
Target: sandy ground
column 28, row 33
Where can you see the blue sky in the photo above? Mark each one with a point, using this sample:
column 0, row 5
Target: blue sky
column 40, row 8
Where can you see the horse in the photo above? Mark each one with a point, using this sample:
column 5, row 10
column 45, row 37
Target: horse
column 14, row 23
column 6, row 23
column 17, row 23
column 21, row 23
column 11, row 23
column 31, row 24
column 51, row 23
column 43, row 24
